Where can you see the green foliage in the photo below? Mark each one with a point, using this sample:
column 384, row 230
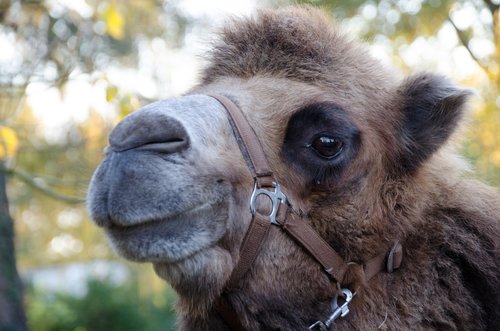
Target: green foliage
column 105, row 307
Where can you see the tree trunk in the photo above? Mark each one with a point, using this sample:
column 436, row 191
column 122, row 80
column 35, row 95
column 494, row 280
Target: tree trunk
column 12, row 316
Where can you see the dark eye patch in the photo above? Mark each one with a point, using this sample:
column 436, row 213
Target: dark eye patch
column 320, row 142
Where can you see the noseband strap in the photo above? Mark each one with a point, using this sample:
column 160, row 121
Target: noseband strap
column 296, row 227
column 249, row 143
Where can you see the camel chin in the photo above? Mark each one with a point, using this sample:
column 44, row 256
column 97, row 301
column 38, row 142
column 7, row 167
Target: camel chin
column 210, row 266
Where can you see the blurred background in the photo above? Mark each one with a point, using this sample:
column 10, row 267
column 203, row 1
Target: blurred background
column 71, row 69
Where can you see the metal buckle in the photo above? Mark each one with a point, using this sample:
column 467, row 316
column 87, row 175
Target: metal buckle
column 337, row 311
column 276, row 197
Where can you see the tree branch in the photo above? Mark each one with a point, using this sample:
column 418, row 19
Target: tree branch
column 40, row 186
column 465, row 42
column 491, row 6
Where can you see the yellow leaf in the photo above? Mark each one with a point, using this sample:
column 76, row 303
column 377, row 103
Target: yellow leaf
column 8, row 142
column 114, row 22
column 127, row 105
column 111, row 93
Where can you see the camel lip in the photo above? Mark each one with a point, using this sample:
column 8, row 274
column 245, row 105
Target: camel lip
column 169, row 239
column 115, row 225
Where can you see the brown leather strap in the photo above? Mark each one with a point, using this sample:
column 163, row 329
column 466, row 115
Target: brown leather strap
column 249, row 249
column 333, row 264
column 310, row 240
column 259, row 225
column 250, row 146
column 384, row 262
column 259, row 167
column 226, row 311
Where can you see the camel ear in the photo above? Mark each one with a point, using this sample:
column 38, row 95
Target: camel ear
column 432, row 107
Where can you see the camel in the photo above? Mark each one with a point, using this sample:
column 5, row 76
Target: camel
column 365, row 159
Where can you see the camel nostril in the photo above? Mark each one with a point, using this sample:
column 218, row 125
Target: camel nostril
column 149, row 131
column 166, row 147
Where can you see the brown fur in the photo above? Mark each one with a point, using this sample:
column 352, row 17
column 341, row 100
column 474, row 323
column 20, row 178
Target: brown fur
column 403, row 181
column 448, row 224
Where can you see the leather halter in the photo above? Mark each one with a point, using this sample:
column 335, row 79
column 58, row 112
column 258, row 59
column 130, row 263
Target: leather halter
column 296, row 227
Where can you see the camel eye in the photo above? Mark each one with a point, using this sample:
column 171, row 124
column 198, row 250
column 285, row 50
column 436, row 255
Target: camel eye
column 327, row 146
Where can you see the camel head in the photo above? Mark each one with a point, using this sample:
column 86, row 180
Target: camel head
column 354, row 147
